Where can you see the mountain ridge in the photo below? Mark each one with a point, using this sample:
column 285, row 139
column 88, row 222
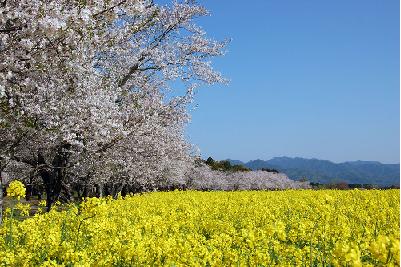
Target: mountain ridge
column 325, row 171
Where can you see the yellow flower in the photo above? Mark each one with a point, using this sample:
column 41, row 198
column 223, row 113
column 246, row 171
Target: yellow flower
column 42, row 203
column 23, row 208
column 16, row 189
column 188, row 228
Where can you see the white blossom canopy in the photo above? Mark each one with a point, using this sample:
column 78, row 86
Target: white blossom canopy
column 83, row 87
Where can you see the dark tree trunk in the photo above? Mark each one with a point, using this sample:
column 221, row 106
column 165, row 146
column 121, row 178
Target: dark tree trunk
column 54, row 176
column 78, row 189
column 52, row 187
column 125, row 190
column 67, row 192
column 112, row 189
column 1, row 195
column 29, row 189
column 99, row 190
column 85, row 192
column 107, row 189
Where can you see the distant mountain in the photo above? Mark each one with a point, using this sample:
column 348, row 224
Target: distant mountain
column 325, row 171
column 235, row 162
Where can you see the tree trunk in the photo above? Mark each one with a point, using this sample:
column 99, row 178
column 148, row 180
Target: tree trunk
column 54, row 176
column 113, row 189
column 29, row 189
column 85, row 192
column 67, row 195
column 52, row 187
column 117, row 190
column 99, row 190
column 124, row 190
column 1, row 196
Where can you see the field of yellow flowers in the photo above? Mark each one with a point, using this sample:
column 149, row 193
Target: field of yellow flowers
column 188, row 228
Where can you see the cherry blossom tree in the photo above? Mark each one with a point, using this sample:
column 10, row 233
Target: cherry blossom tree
column 204, row 178
column 85, row 90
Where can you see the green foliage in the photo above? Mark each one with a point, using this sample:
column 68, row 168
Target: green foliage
column 269, row 170
column 225, row 165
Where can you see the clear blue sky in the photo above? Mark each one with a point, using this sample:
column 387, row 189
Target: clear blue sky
column 308, row 78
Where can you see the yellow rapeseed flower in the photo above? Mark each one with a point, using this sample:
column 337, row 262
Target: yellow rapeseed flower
column 189, row 228
column 16, row 189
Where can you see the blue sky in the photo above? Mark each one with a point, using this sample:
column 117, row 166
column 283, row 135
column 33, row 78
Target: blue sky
column 315, row 79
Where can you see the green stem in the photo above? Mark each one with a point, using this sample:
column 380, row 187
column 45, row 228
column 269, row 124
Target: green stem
column 10, row 234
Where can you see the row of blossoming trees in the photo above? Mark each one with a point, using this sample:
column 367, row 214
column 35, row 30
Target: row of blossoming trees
column 86, row 101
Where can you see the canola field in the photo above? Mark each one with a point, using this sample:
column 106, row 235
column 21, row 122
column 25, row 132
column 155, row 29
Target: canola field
column 188, row 228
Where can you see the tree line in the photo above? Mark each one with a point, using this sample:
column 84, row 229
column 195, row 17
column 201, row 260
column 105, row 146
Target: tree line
column 89, row 98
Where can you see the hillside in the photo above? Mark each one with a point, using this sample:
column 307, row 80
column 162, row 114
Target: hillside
column 325, row 171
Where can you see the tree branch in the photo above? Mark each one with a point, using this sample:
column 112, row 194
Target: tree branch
column 109, row 9
column 12, row 29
